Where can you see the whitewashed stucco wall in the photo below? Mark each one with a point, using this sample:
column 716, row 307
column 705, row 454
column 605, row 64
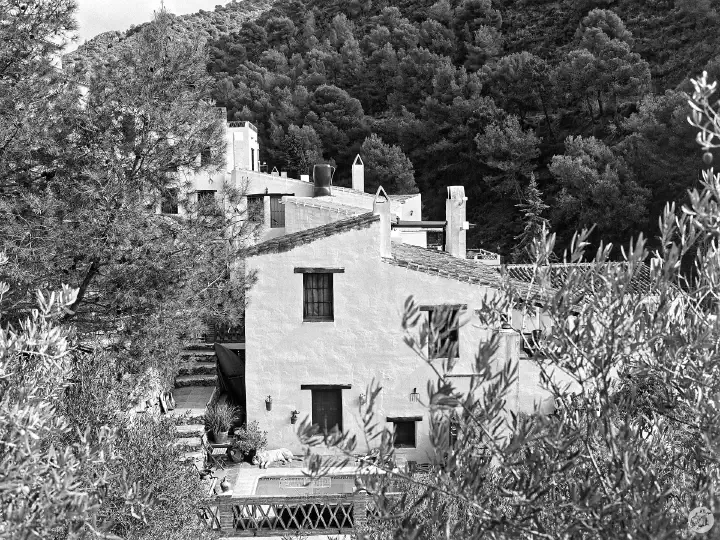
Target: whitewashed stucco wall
column 364, row 342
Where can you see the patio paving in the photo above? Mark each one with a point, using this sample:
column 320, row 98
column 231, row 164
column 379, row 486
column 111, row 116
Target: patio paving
column 191, row 398
column 243, row 477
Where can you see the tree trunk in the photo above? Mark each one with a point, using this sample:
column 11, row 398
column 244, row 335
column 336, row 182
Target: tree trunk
column 82, row 290
column 547, row 118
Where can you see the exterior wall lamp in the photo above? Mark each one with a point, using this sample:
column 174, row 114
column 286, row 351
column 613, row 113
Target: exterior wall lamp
column 268, row 403
column 414, row 396
column 293, row 416
column 362, row 399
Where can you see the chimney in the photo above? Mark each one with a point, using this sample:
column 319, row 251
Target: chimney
column 456, row 225
column 322, row 179
column 358, row 174
column 381, row 207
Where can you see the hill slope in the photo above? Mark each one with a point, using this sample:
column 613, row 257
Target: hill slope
column 583, row 95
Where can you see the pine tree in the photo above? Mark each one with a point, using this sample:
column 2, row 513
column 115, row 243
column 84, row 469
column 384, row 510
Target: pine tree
column 535, row 224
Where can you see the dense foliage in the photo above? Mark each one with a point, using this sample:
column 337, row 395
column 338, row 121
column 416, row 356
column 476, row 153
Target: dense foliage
column 86, row 156
column 474, row 92
column 633, row 445
column 484, row 94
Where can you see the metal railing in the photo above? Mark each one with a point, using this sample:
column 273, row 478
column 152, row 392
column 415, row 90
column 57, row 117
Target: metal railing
column 240, row 123
column 224, row 334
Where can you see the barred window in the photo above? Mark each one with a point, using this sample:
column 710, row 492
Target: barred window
column 444, row 322
column 206, row 201
column 205, row 156
column 169, row 201
column 318, row 297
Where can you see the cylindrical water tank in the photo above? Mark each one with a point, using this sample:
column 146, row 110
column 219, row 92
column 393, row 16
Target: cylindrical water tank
column 322, row 178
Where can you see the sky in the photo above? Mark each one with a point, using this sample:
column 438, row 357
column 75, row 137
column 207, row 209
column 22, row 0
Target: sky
column 97, row 16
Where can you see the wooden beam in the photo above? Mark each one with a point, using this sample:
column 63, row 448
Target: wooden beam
column 404, row 418
column 440, row 306
column 325, row 386
column 319, row 270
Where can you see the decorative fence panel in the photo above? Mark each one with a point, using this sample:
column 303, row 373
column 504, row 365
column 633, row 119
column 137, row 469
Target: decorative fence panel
column 276, row 516
column 310, row 514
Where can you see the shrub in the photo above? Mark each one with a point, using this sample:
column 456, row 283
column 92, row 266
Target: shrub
column 250, row 439
column 220, row 417
column 633, row 451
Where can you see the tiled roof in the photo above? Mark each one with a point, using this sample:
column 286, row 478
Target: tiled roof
column 327, row 202
column 403, row 198
column 441, row 263
column 351, row 191
column 560, row 272
column 292, row 240
column 400, row 197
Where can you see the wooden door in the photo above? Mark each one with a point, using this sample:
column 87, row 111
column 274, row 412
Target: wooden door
column 327, row 409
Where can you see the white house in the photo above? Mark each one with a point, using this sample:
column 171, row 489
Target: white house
column 334, row 268
column 324, row 321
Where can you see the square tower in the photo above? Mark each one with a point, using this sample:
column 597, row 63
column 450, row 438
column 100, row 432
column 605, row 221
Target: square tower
column 243, row 150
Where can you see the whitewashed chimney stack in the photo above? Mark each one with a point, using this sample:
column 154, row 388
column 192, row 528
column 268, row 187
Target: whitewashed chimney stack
column 455, row 214
column 358, row 174
column 381, row 207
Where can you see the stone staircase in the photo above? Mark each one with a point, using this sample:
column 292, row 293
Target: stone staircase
column 194, row 386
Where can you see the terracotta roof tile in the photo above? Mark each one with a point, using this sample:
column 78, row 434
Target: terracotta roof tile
column 440, row 263
column 399, row 197
column 326, row 202
column 292, row 240
column 403, row 198
column 353, row 191
column 559, row 273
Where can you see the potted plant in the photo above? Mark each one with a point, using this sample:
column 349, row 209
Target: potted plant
column 218, row 420
column 249, row 440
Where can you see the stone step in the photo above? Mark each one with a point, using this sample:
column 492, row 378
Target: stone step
column 189, row 430
column 197, row 356
column 182, row 381
column 198, row 367
column 188, row 444
column 199, row 346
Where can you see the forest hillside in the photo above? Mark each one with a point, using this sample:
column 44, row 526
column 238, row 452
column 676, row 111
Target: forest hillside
column 572, row 111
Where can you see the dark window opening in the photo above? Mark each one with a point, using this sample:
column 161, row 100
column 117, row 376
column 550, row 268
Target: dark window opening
column 205, row 156
column 444, row 326
column 206, row 201
column 531, row 342
column 277, row 211
column 318, row 297
column 453, row 430
column 404, row 434
column 252, row 159
column 436, row 240
column 169, row 201
column 327, row 409
column 256, row 208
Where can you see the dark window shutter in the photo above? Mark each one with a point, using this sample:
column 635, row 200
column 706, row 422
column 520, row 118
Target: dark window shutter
column 327, row 409
column 277, row 212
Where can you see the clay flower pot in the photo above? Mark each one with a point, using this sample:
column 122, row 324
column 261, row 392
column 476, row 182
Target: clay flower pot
column 220, row 437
